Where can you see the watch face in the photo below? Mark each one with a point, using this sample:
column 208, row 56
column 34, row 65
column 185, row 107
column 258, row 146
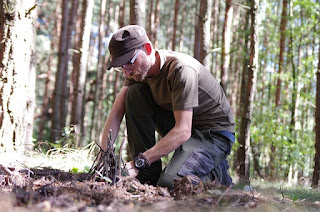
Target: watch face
column 139, row 163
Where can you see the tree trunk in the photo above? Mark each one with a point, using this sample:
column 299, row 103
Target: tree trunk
column 243, row 91
column 214, row 35
column 184, row 13
column 45, row 115
column 17, row 74
column 283, row 26
column 244, row 135
column 98, row 80
column 204, row 21
column 62, row 70
column 156, row 24
column 218, row 41
column 235, row 61
column 316, row 169
column 122, row 13
column 137, row 12
column 226, row 39
column 197, row 29
column 80, row 70
column 150, row 20
column 175, row 24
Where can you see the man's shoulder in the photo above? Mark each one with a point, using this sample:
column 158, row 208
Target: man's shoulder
column 174, row 60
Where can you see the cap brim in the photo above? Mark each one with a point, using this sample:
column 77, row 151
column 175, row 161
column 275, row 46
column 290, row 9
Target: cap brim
column 121, row 60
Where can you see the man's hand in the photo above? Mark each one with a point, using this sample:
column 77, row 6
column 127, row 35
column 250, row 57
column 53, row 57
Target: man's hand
column 133, row 171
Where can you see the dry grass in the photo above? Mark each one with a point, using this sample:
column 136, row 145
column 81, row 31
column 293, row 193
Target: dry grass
column 64, row 159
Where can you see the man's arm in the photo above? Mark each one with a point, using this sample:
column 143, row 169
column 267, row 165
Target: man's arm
column 179, row 134
column 114, row 119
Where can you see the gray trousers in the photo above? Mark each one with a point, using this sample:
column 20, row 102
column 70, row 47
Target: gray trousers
column 203, row 154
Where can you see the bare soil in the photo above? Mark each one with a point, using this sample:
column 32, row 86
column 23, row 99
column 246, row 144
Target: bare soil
column 55, row 190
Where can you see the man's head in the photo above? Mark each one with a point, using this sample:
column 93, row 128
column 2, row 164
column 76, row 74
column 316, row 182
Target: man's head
column 124, row 43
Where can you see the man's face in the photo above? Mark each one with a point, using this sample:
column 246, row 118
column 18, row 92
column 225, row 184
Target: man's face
column 140, row 66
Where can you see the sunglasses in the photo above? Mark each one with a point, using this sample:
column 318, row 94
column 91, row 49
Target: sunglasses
column 130, row 65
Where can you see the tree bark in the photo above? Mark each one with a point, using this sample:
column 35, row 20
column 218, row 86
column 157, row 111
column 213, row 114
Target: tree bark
column 244, row 135
column 175, row 24
column 204, row 21
column 150, row 20
column 156, row 24
column 214, row 34
column 58, row 98
column 80, row 61
column 316, row 169
column 17, row 74
column 226, row 39
column 45, row 115
column 241, row 152
column 181, row 26
column 122, row 13
column 98, row 80
column 283, row 26
column 137, row 12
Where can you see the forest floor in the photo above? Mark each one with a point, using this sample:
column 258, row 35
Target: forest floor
column 58, row 189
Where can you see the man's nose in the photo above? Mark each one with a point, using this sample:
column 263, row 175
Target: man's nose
column 126, row 72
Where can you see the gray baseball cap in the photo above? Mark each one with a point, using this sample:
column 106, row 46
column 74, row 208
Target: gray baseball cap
column 124, row 42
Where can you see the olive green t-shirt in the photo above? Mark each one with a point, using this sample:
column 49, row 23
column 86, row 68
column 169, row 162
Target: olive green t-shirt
column 183, row 83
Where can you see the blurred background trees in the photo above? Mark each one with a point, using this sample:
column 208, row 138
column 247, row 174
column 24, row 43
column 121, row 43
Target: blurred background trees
column 273, row 93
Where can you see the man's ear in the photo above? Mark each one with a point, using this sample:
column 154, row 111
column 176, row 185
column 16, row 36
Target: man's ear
column 148, row 48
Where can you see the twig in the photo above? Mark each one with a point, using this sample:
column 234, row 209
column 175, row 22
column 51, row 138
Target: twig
column 224, row 193
column 106, row 164
column 120, row 156
column 29, row 11
column 5, row 170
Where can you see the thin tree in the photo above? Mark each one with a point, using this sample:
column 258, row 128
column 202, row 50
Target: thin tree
column 80, row 70
column 241, row 151
column 17, row 74
column 244, row 134
column 182, row 25
column 98, row 80
column 59, row 100
column 214, row 34
column 283, row 26
column 45, row 115
column 150, row 21
column 137, row 12
column 316, row 169
column 156, row 24
column 175, row 24
column 226, row 39
column 204, row 21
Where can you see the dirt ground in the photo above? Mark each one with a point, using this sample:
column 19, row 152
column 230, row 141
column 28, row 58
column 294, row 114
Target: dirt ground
column 55, row 190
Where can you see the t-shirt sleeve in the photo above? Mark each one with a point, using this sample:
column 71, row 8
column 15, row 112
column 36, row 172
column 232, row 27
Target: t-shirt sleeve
column 128, row 82
column 184, row 88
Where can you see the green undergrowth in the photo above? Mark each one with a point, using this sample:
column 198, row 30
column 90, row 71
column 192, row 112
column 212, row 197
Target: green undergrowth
column 283, row 191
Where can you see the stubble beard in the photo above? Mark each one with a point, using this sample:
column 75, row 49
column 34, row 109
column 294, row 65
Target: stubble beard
column 143, row 71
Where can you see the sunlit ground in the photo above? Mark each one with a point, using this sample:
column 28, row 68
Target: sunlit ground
column 278, row 196
column 64, row 159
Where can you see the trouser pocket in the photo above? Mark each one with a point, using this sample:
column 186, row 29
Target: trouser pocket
column 199, row 163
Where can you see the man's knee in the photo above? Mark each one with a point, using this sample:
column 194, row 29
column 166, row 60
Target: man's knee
column 166, row 180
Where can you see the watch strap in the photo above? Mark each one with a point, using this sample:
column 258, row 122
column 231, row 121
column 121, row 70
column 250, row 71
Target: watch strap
column 146, row 161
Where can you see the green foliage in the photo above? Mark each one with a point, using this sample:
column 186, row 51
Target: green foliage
column 302, row 194
column 85, row 169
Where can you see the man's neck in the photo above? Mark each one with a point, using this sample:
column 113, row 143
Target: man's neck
column 155, row 67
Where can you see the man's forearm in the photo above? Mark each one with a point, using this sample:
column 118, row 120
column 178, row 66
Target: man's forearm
column 167, row 144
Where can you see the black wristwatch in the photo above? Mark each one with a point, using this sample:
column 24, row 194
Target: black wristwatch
column 141, row 162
